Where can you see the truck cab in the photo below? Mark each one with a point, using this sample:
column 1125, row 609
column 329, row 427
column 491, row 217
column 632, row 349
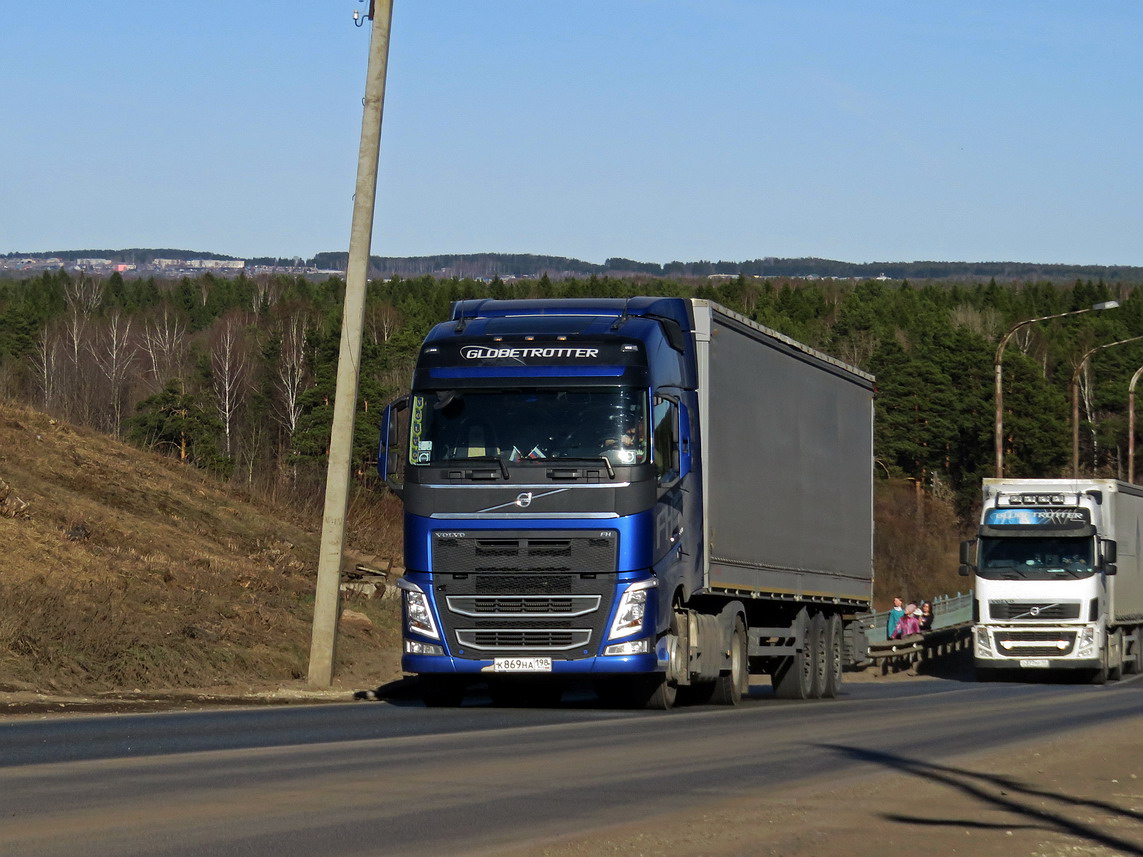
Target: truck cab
column 543, row 458
column 1044, row 568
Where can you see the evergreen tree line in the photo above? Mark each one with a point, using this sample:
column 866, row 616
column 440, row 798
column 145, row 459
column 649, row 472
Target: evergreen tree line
column 238, row 374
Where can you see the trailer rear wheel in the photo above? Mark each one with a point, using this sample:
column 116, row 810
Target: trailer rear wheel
column 794, row 678
column 819, row 655
column 835, row 645
column 731, row 686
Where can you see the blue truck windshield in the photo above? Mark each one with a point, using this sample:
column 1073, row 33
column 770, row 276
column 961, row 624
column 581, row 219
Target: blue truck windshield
column 529, row 425
column 1047, row 558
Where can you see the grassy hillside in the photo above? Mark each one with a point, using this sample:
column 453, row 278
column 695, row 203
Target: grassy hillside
column 122, row 569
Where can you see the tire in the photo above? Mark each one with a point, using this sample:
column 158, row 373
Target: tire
column 661, row 695
column 732, row 685
column 1135, row 663
column 1115, row 671
column 793, row 678
column 441, row 691
column 835, row 648
column 819, row 655
column 660, row 691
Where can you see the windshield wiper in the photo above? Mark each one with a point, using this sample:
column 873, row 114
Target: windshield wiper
column 555, row 459
column 491, row 459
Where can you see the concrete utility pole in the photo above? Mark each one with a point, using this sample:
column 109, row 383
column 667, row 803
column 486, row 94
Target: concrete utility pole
column 323, row 642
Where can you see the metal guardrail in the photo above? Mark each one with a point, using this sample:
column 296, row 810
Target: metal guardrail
column 949, row 611
column 950, row 632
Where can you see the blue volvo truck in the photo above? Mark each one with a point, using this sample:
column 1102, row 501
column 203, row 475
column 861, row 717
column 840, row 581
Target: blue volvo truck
column 657, row 495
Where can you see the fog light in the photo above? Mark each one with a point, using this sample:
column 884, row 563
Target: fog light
column 634, row 647
column 415, row 647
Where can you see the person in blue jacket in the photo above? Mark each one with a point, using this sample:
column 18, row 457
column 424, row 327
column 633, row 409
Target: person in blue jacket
column 895, row 616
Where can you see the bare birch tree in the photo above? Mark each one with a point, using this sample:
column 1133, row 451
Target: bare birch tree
column 114, row 355
column 291, row 376
column 165, row 345
column 382, row 320
column 46, row 361
column 230, row 373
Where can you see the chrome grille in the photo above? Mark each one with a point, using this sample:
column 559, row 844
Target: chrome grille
column 550, row 551
column 523, row 605
column 1045, row 611
column 1034, row 644
column 533, row 639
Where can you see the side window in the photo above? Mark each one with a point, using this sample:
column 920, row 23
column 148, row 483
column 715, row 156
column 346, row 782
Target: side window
column 665, row 440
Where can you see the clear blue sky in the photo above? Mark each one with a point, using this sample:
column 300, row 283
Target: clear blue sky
column 656, row 130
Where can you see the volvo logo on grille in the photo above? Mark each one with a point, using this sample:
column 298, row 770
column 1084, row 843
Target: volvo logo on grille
column 1035, row 611
column 524, row 499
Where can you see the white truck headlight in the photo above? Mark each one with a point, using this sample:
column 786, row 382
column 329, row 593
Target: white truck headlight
column 418, row 614
column 632, row 609
column 983, row 643
column 1085, row 643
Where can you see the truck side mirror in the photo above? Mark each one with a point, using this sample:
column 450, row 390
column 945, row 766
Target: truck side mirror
column 1110, row 550
column 966, row 565
column 389, row 449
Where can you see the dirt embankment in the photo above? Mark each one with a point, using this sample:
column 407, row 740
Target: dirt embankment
column 124, row 571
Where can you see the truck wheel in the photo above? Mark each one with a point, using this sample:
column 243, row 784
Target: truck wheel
column 819, row 655
column 660, row 691
column 1099, row 674
column 835, row 645
column 731, row 686
column 440, row 691
column 794, row 678
column 1115, row 670
column 1134, row 663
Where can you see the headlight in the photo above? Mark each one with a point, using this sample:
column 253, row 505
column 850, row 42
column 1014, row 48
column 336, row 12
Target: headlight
column 1085, row 643
column 632, row 609
column 983, row 643
column 418, row 616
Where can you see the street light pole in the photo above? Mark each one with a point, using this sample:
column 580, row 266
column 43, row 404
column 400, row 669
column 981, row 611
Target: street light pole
column 1075, row 397
column 998, row 371
column 1131, row 425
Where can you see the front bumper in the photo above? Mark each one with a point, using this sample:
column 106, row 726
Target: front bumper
column 1037, row 646
column 1038, row 663
column 593, row 666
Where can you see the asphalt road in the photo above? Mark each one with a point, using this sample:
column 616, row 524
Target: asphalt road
column 398, row 779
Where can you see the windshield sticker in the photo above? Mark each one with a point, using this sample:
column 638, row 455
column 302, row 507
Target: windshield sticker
column 1037, row 517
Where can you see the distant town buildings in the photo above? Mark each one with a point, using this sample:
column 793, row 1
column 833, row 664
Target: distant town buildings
column 157, row 267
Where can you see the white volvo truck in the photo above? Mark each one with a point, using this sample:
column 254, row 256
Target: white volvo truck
column 1058, row 578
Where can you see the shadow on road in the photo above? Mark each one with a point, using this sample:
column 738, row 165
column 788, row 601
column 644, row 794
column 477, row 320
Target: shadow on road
column 1040, row 809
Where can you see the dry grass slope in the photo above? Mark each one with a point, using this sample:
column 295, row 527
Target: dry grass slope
column 122, row 569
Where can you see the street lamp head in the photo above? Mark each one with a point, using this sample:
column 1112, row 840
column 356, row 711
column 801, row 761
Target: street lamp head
column 1105, row 305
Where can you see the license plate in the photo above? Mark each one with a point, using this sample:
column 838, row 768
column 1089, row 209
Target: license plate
column 522, row 665
column 1041, row 663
